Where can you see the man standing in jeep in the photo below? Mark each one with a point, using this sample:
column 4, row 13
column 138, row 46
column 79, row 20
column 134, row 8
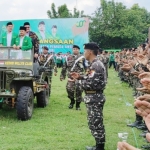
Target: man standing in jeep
column 23, row 42
column 35, row 39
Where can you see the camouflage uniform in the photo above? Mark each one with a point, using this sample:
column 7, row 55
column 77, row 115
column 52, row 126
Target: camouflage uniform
column 120, row 71
column 101, row 57
column 93, row 83
column 35, row 42
column 51, row 66
column 105, row 62
column 73, row 90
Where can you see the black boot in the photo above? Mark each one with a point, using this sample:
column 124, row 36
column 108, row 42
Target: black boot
column 146, row 146
column 100, row 147
column 137, row 123
column 78, row 106
column 71, row 104
column 97, row 147
column 142, row 127
column 143, row 134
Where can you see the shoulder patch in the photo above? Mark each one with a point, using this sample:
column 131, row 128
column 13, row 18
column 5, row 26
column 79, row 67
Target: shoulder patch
column 91, row 74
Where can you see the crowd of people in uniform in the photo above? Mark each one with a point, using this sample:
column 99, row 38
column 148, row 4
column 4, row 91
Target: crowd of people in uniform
column 133, row 67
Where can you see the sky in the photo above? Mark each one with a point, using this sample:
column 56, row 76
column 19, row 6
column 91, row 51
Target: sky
column 37, row 9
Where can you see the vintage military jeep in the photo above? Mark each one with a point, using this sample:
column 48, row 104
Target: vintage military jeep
column 21, row 80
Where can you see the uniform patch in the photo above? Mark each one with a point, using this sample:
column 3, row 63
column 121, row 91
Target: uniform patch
column 69, row 58
column 92, row 72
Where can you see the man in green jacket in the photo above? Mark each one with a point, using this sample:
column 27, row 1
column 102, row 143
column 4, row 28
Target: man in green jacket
column 58, row 60
column 8, row 38
column 112, row 60
column 23, row 42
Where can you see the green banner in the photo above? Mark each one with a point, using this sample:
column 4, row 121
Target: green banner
column 59, row 35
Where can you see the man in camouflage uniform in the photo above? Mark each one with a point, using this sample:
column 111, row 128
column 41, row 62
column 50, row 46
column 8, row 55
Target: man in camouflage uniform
column 93, row 83
column 45, row 57
column 100, row 55
column 73, row 63
column 106, row 61
column 35, row 40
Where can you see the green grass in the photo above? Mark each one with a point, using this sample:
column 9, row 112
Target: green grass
column 58, row 128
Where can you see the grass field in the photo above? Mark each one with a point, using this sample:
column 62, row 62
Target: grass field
column 58, row 128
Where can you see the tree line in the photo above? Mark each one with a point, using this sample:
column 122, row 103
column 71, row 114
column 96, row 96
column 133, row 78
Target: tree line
column 112, row 25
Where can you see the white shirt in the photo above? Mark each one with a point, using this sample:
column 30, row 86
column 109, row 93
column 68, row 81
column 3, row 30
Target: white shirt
column 45, row 55
column 21, row 41
column 58, row 57
column 27, row 34
column 9, row 37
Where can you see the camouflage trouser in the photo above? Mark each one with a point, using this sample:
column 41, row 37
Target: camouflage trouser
column 137, row 84
column 121, row 75
column 125, row 76
column 49, row 74
column 117, row 67
column 130, row 80
column 95, row 121
column 74, row 91
column 106, row 68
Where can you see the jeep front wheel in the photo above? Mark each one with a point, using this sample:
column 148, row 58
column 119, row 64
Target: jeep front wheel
column 25, row 103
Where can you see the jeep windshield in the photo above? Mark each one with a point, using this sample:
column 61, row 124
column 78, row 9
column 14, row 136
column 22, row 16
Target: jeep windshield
column 12, row 54
column 11, row 58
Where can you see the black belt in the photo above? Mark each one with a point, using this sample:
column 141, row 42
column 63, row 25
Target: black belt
column 93, row 92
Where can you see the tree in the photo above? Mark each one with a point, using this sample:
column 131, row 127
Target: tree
column 52, row 13
column 64, row 12
column 115, row 26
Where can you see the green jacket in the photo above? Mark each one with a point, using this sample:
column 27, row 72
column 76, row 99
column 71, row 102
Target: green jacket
column 3, row 39
column 58, row 59
column 27, row 43
column 111, row 57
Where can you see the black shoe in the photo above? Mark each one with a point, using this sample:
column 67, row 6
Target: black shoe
column 146, row 146
column 70, row 106
column 78, row 108
column 100, row 147
column 135, row 124
column 141, row 127
column 143, row 135
column 90, row 148
column 145, row 131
